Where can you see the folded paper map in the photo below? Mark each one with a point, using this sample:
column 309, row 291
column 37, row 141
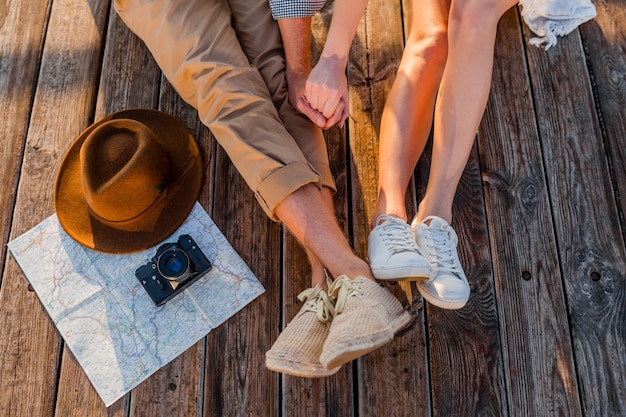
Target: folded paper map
column 105, row 316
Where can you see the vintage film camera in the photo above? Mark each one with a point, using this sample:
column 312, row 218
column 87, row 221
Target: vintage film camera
column 174, row 267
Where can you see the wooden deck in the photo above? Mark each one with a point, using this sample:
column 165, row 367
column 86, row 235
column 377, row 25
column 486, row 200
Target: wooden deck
column 539, row 212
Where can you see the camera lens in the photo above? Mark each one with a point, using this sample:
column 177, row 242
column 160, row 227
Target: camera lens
column 173, row 264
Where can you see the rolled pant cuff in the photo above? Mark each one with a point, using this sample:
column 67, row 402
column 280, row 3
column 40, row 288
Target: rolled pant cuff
column 327, row 176
column 284, row 181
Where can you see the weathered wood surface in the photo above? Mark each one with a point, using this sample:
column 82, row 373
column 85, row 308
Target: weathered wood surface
column 591, row 252
column 534, row 328
column 539, row 213
column 31, row 349
column 19, row 69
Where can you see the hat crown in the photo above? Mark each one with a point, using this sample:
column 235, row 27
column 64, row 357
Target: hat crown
column 128, row 181
column 125, row 170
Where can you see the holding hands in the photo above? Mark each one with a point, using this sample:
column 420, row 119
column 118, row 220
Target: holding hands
column 326, row 90
column 321, row 93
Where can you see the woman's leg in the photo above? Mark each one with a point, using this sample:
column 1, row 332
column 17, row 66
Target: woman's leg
column 408, row 113
column 461, row 99
column 405, row 127
column 459, row 109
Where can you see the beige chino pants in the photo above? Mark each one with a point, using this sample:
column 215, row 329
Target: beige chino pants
column 225, row 58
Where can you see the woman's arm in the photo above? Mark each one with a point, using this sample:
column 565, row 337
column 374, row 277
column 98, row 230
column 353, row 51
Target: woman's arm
column 327, row 86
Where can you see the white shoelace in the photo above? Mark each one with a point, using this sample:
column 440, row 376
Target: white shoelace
column 319, row 302
column 341, row 289
column 397, row 237
column 445, row 249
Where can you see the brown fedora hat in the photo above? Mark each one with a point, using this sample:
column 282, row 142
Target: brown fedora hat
column 128, row 181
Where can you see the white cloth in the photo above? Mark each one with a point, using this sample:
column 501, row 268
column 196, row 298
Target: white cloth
column 552, row 18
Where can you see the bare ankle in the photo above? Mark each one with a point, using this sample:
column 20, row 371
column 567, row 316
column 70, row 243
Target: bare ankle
column 355, row 268
column 318, row 277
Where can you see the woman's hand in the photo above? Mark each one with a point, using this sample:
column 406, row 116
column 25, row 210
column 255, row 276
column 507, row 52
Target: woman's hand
column 296, row 84
column 326, row 91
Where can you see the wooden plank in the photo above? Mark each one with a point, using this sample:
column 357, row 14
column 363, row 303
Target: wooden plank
column 62, row 107
column 538, row 355
column 76, row 394
column 372, row 67
column 590, row 243
column 465, row 349
column 464, row 345
column 22, row 29
column 604, row 40
column 130, row 76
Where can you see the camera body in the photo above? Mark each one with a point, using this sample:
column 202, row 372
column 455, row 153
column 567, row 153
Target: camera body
column 175, row 266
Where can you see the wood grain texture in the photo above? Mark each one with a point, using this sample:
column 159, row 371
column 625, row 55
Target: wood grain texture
column 533, row 318
column 237, row 382
column 592, row 253
column 23, row 26
column 68, row 74
column 130, row 78
column 465, row 349
column 604, row 41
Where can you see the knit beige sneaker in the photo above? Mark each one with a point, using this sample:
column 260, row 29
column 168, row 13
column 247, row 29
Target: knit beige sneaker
column 367, row 316
column 297, row 349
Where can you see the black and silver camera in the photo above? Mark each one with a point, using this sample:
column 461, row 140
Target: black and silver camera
column 174, row 267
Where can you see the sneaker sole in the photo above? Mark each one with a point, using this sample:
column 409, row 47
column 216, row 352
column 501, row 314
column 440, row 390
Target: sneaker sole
column 441, row 303
column 402, row 274
column 298, row 369
column 354, row 349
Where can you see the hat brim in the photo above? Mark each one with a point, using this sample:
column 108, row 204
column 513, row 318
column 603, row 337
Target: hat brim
column 72, row 209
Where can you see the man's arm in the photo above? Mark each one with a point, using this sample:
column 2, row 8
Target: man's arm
column 296, row 34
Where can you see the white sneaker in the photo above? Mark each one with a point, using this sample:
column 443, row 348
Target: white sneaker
column 449, row 288
column 393, row 253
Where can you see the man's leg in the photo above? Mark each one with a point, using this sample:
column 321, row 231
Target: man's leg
column 366, row 315
column 307, row 217
column 195, row 46
column 198, row 51
column 264, row 52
